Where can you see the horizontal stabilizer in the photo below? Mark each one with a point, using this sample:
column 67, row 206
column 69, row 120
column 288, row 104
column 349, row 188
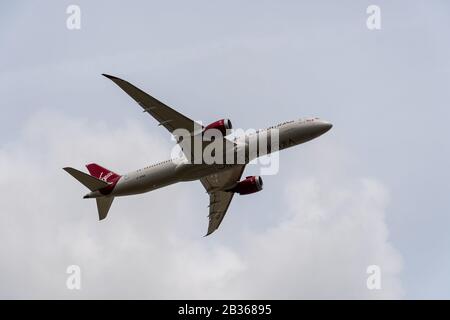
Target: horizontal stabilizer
column 88, row 181
column 103, row 205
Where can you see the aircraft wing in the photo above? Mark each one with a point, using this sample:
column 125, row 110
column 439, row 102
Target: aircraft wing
column 219, row 200
column 166, row 116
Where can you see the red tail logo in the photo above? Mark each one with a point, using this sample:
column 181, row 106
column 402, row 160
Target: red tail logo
column 102, row 173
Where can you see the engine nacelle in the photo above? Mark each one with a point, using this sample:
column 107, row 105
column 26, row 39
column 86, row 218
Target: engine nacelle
column 249, row 185
column 221, row 125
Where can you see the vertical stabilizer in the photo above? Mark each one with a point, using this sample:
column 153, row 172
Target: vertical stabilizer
column 102, row 173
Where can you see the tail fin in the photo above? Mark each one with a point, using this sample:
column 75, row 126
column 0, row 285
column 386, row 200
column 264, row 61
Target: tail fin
column 100, row 179
column 88, row 181
column 101, row 173
column 103, row 205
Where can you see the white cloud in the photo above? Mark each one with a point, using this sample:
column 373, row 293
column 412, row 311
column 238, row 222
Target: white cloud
column 149, row 247
column 324, row 243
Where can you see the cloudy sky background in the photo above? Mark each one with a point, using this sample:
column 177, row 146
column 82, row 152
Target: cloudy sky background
column 374, row 190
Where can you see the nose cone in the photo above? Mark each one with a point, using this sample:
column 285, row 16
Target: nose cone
column 327, row 126
column 324, row 126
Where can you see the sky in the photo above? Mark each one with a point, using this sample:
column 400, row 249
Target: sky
column 372, row 191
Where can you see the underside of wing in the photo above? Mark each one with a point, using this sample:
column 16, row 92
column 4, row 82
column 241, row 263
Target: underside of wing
column 220, row 199
column 184, row 129
column 166, row 116
column 219, row 202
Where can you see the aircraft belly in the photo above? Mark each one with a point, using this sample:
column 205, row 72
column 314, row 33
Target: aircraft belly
column 191, row 172
column 145, row 181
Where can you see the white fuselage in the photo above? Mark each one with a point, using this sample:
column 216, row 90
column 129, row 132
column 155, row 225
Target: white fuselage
column 168, row 172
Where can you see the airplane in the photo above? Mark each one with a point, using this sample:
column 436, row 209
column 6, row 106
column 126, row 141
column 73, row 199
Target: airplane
column 221, row 179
